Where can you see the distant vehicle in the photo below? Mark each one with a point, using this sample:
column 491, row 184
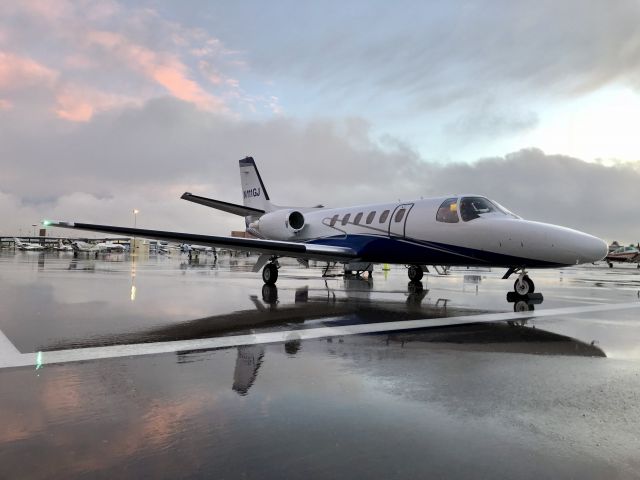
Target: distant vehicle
column 454, row 230
column 26, row 246
column 628, row 254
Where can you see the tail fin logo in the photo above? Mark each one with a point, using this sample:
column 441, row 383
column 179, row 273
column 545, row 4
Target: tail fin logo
column 250, row 193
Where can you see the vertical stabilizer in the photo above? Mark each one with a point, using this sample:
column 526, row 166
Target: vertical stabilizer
column 254, row 193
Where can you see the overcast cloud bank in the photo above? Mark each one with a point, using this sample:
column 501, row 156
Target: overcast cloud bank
column 145, row 157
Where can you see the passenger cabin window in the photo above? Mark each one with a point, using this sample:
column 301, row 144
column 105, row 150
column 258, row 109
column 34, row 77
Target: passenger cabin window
column 448, row 211
column 333, row 221
column 345, row 219
column 400, row 215
column 356, row 220
column 472, row 207
column 384, row 216
column 370, row 217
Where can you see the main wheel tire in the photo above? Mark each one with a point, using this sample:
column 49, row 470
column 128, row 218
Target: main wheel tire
column 415, row 273
column 270, row 274
column 524, row 286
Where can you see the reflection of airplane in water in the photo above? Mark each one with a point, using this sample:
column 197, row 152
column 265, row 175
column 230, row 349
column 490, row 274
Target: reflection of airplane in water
column 491, row 337
column 246, row 369
column 312, row 308
column 328, row 307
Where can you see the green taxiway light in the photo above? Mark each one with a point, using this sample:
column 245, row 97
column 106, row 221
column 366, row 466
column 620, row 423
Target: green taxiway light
column 38, row 360
column 46, row 223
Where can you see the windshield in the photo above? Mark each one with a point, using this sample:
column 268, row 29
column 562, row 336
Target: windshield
column 473, row 207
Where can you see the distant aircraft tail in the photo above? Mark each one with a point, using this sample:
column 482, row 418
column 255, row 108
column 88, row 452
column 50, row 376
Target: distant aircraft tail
column 254, row 193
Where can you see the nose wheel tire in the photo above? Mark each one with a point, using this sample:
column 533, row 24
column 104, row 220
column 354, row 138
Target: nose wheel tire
column 524, row 286
column 415, row 273
column 270, row 274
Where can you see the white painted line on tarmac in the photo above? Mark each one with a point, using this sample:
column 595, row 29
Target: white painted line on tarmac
column 10, row 357
column 7, row 349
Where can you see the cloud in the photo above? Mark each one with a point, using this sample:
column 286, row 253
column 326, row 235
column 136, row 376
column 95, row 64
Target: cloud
column 101, row 55
column 79, row 103
column 165, row 69
column 486, row 121
column 145, row 157
column 418, row 58
column 18, row 72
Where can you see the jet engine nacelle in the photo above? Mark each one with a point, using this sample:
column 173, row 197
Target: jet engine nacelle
column 281, row 224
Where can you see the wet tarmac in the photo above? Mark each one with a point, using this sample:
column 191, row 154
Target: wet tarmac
column 164, row 368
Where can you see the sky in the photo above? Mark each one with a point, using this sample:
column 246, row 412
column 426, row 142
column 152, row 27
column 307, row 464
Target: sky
column 107, row 106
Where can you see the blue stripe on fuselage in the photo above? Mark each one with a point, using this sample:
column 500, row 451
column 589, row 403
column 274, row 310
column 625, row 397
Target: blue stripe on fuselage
column 383, row 249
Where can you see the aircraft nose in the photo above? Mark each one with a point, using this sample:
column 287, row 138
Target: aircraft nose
column 592, row 249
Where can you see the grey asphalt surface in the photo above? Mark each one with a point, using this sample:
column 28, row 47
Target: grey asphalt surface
column 549, row 397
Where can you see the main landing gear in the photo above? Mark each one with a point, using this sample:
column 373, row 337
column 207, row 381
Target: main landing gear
column 270, row 273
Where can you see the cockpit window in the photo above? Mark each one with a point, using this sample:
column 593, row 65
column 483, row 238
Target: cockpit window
column 473, row 207
column 448, row 211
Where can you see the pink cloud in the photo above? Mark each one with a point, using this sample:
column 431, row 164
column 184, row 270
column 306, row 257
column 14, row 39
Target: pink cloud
column 79, row 104
column 165, row 69
column 19, row 72
column 5, row 104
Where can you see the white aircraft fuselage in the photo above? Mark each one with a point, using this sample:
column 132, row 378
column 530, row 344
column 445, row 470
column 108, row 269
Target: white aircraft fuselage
column 410, row 233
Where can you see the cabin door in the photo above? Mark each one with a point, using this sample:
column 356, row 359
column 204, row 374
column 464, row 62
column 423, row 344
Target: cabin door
column 398, row 220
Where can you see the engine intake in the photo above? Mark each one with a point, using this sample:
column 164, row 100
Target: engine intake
column 296, row 221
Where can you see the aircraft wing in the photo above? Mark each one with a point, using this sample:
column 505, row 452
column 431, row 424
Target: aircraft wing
column 269, row 247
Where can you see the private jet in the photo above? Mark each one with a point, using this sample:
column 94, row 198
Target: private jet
column 101, row 247
column 26, row 246
column 453, row 230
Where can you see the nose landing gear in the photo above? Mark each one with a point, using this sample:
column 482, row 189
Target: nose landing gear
column 524, row 285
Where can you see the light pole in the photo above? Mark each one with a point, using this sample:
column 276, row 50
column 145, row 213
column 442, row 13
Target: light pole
column 135, row 225
column 34, row 228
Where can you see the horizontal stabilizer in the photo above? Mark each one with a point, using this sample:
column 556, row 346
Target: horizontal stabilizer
column 271, row 247
column 224, row 206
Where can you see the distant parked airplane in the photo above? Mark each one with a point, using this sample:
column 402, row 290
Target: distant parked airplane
column 80, row 246
column 63, row 247
column 628, row 254
column 26, row 246
column 465, row 230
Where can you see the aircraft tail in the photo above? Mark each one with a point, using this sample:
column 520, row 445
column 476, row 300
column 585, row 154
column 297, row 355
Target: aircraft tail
column 254, row 193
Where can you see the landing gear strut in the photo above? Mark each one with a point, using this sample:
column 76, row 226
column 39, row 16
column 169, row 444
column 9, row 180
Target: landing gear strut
column 524, row 285
column 415, row 273
column 270, row 273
